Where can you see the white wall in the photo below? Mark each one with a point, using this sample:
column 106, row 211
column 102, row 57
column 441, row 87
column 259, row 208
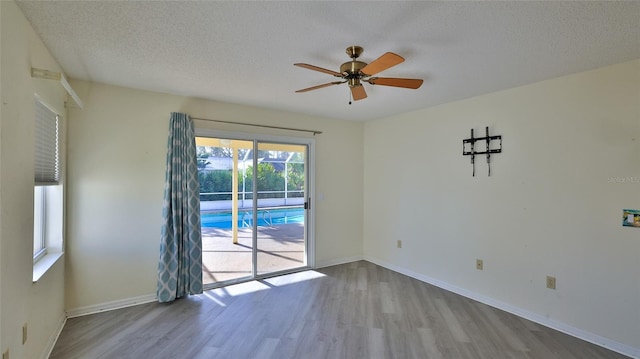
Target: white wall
column 117, row 150
column 552, row 206
column 40, row 304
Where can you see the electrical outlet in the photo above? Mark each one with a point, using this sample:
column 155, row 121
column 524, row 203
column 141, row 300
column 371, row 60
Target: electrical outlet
column 551, row 282
column 5, row 355
column 479, row 264
column 24, row 333
column 399, row 243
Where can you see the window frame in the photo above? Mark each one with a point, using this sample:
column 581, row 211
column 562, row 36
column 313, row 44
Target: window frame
column 48, row 192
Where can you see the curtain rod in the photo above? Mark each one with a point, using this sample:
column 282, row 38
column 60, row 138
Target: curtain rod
column 315, row 132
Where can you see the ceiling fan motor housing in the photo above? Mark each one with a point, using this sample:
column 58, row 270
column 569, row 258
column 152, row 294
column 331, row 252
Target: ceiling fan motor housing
column 352, row 67
column 352, row 71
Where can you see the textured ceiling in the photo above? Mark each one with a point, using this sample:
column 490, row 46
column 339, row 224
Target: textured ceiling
column 243, row 52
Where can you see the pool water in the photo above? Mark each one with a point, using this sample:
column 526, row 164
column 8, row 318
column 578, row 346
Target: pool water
column 271, row 217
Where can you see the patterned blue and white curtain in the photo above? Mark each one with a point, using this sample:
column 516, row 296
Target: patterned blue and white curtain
column 180, row 265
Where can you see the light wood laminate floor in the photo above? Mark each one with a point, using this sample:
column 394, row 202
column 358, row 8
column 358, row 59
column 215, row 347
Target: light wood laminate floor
column 354, row 310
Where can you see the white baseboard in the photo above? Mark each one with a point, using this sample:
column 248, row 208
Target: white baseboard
column 116, row 304
column 542, row 320
column 54, row 338
column 338, row 261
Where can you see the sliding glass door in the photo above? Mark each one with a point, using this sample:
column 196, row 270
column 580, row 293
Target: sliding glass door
column 251, row 231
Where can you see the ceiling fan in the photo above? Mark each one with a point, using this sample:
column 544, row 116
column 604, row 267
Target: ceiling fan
column 355, row 72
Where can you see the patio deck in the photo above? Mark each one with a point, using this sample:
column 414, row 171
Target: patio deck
column 279, row 247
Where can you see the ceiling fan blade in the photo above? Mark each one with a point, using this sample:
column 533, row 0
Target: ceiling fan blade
column 382, row 63
column 320, row 86
column 396, row 82
column 316, row 68
column 358, row 93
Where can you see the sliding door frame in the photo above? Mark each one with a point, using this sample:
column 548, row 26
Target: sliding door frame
column 257, row 138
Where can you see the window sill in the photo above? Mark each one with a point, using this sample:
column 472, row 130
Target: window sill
column 44, row 264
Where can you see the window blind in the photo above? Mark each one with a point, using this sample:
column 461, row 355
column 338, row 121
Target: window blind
column 46, row 151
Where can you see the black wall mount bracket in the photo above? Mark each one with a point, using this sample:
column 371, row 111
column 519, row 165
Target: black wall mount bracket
column 469, row 148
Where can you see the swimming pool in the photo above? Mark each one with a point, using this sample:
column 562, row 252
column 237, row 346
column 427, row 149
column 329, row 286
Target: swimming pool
column 266, row 217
